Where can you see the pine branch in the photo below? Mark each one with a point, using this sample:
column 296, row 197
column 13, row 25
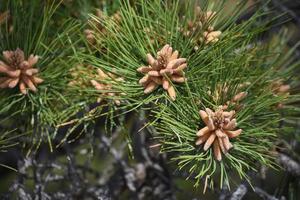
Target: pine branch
column 167, row 60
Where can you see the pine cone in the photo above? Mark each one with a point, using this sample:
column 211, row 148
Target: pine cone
column 105, row 86
column 211, row 36
column 197, row 24
column 201, row 24
column 17, row 70
column 117, row 17
column 204, row 17
column 221, row 92
column 90, row 36
column 219, row 128
column 280, row 89
column 164, row 70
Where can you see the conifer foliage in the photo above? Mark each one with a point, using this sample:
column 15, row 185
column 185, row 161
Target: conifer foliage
column 214, row 95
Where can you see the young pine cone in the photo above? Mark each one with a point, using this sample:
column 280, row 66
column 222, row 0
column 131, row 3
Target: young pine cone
column 219, row 128
column 163, row 70
column 17, row 70
column 280, row 89
column 202, row 19
column 235, row 101
column 222, row 92
column 90, row 36
column 105, row 87
column 211, row 36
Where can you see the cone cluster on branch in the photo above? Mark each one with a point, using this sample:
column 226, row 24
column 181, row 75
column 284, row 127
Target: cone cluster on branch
column 222, row 91
column 202, row 18
column 201, row 23
column 16, row 70
column 220, row 127
column 105, row 87
column 166, row 69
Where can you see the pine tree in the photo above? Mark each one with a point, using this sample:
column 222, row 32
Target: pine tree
column 215, row 94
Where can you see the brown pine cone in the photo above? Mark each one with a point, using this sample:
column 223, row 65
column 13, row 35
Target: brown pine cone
column 163, row 70
column 18, row 71
column 219, row 128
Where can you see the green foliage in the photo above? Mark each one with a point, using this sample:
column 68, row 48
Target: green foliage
column 34, row 35
column 239, row 58
column 240, row 61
